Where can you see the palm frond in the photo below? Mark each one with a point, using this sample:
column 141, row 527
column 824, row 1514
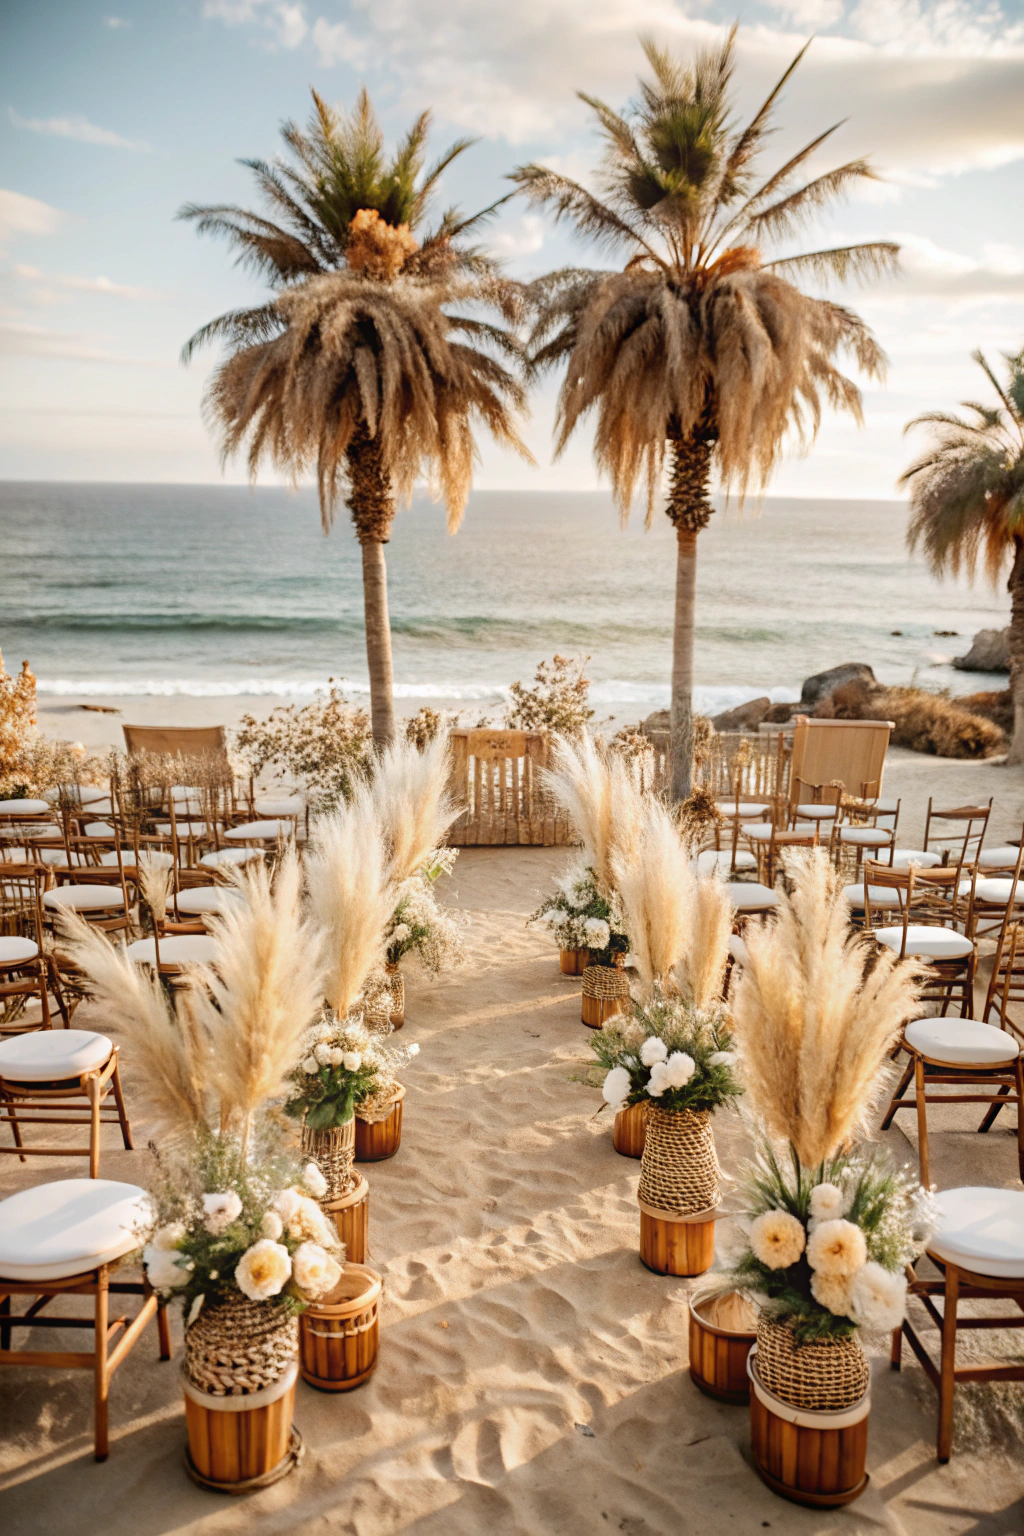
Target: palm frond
column 879, row 258
column 785, row 216
column 594, row 219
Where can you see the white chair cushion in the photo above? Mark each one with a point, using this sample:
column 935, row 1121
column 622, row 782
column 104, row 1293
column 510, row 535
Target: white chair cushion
column 751, row 897
column 175, row 949
column 738, row 949
column 37, row 833
column 229, row 856
column 887, row 807
column 998, row 893
column 817, row 812
column 83, row 898
column 746, row 808
column 58, row 856
column 980, row 1229
column 85, row 794
column 184, row 829
column 961, row 1042
column 925, row 942
column 185, row 792
column 757, row 831
column 864, row 837
column 720, row 858
column 13, row 949
column 66, row 1228
column 156, row 859
column 99, row 829
column 882, row 897
column 207, row 898
column 23, row 807
column 287, row 805
column 904, row 857
column 48, row 1055
column 266, row 831
column 998, row 858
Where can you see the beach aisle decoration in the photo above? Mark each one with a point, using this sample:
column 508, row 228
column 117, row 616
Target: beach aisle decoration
column 236, row 1236
column 830, row 1226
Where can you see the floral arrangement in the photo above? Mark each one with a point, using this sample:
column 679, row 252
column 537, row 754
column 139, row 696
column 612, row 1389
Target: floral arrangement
column 343, row 1067
column 580, row 917
column 420, row 925
column 228, row 1220
column 827, row 1246
column 668, row 1053
column 324, row 745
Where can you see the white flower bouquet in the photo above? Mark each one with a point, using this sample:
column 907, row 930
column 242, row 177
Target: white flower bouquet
column 420, row 925
column 667, row 1053
column 579, row 916
column 343, row 1067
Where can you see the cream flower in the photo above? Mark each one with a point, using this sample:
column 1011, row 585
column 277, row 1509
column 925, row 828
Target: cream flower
column 878, row 1299
column 653, row 1051
column 311, row 1065
column 271, row 1226
column 220, row 1210
column 616, row 1086
column 679, row 1068
column 351, row 1061
column 314, row 1181
column 657, row 1083
column 831, row 1292
column 413, row 1049
column 307, row 1221
column 263, row 1270
column 169, row 1236
column 836, row 1248
column 827, row 1202
column 777, row 1239
column 323, row 1054
column 335, row 1056
column 163, row 1271
column 314, row 1270
column 597, row 933
column 722, row 1059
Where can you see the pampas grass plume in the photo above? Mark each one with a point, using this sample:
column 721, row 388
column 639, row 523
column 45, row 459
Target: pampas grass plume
column 599, row 794
column 410, row 792
column 350, row 897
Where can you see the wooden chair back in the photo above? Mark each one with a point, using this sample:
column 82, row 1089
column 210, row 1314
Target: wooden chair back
column 851, row 752
column 975, row 818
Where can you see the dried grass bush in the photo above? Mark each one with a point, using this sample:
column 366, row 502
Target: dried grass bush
column 599, row 793
column 409, row 791
column 924, row 722
column 351, row 898
column 815, row 1014
column 558, row 701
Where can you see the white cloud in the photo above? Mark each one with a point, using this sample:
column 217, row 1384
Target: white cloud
column 116, row 23
column 19, row 340
column 519, row 237
column 286, row 24
column 335, row 44
column 929, row 270
column 21, row 215
column 74, row 126
column 809, row 13
column 72, row 284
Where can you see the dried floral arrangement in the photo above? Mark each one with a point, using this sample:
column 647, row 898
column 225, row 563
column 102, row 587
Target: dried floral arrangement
column 558, row 700
column 420, row 925
column 669, row 1053
column 578, row 916
column 344, row 1067
column 324, row 745
column 351, row 898
column 427, row 724
column 409, row 790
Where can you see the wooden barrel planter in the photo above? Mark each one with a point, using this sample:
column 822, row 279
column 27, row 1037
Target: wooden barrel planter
column 811, row 1457
column 239, row 1444
column 718, row 1353
column 678, row 1194
column 351, row 1215
column 605, row 992
column 396, row 986
column 339, row 1336
column 629, row 1130
column 676, row 1245
column 573, row 962
column 376, row 1140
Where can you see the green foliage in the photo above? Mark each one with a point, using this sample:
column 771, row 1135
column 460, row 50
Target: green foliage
column 342, row 1066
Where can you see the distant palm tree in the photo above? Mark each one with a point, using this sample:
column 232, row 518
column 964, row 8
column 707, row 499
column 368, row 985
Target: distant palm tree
column 698, row 346
column 356, row 366
column 967, row 500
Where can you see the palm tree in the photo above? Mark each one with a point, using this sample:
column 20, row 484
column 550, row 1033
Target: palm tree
column 698, row 348
column 967, row 500
column 355, row 365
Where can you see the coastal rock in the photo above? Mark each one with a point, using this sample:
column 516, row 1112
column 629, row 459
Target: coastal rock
column 658, row 721
column 818, row 687
column 782, row 714
column 745, row 717
column 989, row 653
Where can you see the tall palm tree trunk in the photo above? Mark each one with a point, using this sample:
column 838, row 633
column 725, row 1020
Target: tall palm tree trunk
column 1016, row 590
column 690, row 509
column 372, row 505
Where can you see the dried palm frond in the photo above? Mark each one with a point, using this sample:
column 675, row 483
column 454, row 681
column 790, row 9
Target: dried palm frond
column 599, row 794
column 815, row 1015
column 169, row 1054
column 350, row 897
column 263, row 990
column 409, row 790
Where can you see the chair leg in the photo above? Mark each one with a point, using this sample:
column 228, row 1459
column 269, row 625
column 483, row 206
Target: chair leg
column 5, row 1327
column 122, row 1112
column 947, row 1379
column 1020, row 1118
column 999, row 1104
column 896, row 1353
column 102, row 1377
column 922, row 1122
column 897, row 1096
column 92, row 1089
column 44, row 1001
column 163, row 1331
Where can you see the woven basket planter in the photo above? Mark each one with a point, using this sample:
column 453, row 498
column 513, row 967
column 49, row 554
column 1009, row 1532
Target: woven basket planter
column 815, row 1457
column 573, row 962
column 380, row 1137
column 718, row 1356
column 396, row 986
column 333, row 1152
column 605, row 991
column 339, row 1336
column 239, row 1379
column 678, row 1192
column 351, row 1215
column 819, row 1377
column 629, row 1130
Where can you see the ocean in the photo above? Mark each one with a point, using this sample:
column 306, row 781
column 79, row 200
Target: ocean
column 213, row 591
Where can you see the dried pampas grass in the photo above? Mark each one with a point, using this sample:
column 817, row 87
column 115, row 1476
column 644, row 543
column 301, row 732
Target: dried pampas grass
column 599, row 794
column 155, row 881
column 409, row 790
column 707, row 950
column 351, row 898
column 815, row 1015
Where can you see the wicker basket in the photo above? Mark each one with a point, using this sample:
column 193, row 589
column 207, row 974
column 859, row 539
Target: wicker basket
column 679, row 1168
column 605, row 992
column 821, row 1377
column 334, row 1153
column 396, row 986
column 239, row 1346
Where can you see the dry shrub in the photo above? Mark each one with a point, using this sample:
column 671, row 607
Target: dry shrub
column 924, row 722
column 17, row 720
column 815, row 1015
column 324, row 745
column 556, row 702
column 378, row 249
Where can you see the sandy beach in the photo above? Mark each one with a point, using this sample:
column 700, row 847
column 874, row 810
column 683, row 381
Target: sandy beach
column 532, row 1372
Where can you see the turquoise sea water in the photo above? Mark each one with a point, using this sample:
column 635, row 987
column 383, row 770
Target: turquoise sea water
column 217, row 591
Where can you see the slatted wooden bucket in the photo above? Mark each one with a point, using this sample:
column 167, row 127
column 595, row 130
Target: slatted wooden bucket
column 351, row 1215
column 676, row 1245
column 718, row 1356
column 381, row 1138
column 629, row 1130
column 339, row 1336
column 815, row 1458
column 573, row 962
column 238, row 1444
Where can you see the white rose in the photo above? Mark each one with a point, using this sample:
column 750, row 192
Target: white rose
column 163, row 1271
column 616, row 1086
column 314, row 1181
column 311, row 1065
column 170, row 1236
column 722, row 1059
column 337, row 1056
column 220, row 1210
column 323, row 1054
column 827, row 1202
column 836, row 1248
column 315, row 1271
column 351, row 1061
column 679, row 1068
column 263, row 1270
column 286, row 1205
column 271, row 1226
column 652, row 1051
column 657, row 1083
column 597, row 932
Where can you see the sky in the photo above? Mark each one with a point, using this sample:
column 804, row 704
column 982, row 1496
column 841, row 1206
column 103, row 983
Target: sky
column 112, row 118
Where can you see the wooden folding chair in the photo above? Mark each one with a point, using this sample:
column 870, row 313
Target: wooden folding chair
column 938, row 904
column 61, row 1077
